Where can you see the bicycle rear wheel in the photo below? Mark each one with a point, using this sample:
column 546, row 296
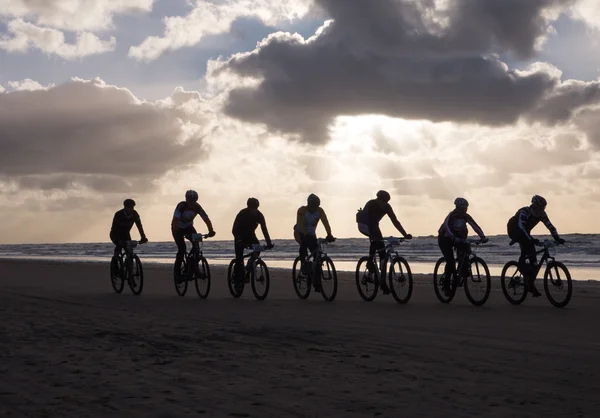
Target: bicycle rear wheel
column 259, row 277
column 136, row 279
column 328, row 279
column 557, row 278
column 231, row 285
column 181, row 286
column 439, row 279
column 479, row 279
column 400, row 280
column 116, row 269
column 513, row 283
column 300, row 281
column 202, row 278
column 367, row 283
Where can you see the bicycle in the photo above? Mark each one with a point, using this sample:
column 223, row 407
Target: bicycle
column 317, row 263
column 467, row 265
column 515, row 288
column 399, row 274
column 194, row 267
column 256, row 272
column 122, row 269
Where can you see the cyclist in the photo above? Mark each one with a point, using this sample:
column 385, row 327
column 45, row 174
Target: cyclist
column 307, row 219
column 182, row 225
column 519, row 230
column 123, row 222
column 453, row 234
column 244, row 235
column 368, row 224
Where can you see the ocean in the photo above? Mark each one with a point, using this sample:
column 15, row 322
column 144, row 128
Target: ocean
column 581, row 254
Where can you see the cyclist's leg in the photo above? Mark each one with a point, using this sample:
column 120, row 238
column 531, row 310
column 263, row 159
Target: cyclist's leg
column 302, row 251
column 310, row 242
column 377, row 246
column 239, row 247
column 178, row 236
column 447, row 247
column 527, row 265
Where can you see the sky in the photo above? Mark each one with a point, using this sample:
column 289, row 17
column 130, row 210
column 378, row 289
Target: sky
column 102, row 100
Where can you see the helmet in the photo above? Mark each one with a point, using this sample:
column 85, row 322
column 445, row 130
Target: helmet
column 191, row 196
column 383, row 195
column 252, row 203
column 461, row 202
column 129, row 203
column 313, row 199
column 538, row 201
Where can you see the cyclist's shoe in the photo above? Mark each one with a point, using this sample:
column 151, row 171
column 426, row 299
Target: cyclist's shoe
column 371, row 267
column 446, row 286
column 534, row 292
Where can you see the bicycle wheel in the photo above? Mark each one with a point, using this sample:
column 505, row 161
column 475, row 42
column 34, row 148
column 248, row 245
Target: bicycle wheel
column 231, row 281
column 400, row 280
column 479, row 279
column 116, row 267
column 181, row 286
column 202, row 278
column 328, row 279
column 513, row 284
column 439, row 279
column 366, row 279
column 136, row 280
column 301, row 282
column 259, row 277
column 557, row 278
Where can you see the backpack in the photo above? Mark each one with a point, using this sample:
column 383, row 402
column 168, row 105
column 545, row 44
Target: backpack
column 360, row 216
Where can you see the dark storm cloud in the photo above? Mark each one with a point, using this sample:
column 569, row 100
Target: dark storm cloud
column 402, row 59
column 89, row 135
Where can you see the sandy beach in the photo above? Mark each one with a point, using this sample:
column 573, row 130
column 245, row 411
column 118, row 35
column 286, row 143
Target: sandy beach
column 71, row 347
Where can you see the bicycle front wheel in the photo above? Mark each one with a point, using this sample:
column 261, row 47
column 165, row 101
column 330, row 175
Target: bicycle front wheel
column 558, row 284
column 231, row 281
column 367, row 283
column 116, row 269
column 136, row 278
column 328, row 279
column 513, row 283
column 445, row 293
column 400, row 280
column 260, row 280
column 300, row 280
column 202, row 278
column 478, row 284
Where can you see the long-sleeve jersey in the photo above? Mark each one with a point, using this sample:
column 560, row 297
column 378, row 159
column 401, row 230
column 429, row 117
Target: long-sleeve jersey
column 246, row 223
column 524, row 220
column 307, row 221
column 122, row 222
column 455, row 226
column 186, row 212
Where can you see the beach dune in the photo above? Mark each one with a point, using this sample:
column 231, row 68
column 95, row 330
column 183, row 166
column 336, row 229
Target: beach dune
column 71, row 347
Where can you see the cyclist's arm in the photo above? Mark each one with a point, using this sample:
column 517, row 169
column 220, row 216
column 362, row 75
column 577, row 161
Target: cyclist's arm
column 301, row 220
column 138, row 223
column 475, row 227
column 325, row 221
column 395, row 221
column 205, row 218
column 263, row 227
column 447, row 229
column 521, row 224
column 551, row 228
column 176, row 218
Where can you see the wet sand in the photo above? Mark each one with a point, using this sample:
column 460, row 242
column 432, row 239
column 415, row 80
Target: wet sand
column 71, row 347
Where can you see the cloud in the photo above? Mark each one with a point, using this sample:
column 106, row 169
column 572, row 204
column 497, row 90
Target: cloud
column 26, row 36
column 210, row 18
column 73, row 15
column 415, row 60
column 87, row 135
column 2, row 89
column 28, row 85
column 588, row 11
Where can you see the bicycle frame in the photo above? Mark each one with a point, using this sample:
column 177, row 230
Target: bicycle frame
column 254, row 255
column 466, row 256
column 546, row 257
column 390, row 251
